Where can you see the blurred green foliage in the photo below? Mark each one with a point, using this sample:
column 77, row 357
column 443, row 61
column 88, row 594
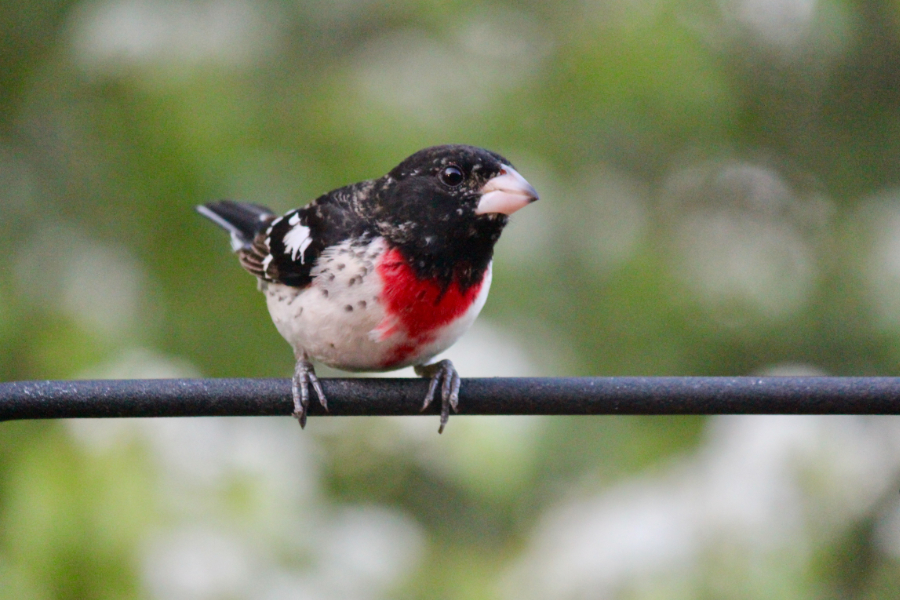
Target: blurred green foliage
column 720, row 195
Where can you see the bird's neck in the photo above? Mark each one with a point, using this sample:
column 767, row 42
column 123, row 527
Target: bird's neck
column 450, row 260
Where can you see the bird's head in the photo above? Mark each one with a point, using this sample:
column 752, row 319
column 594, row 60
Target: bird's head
column 450, row 194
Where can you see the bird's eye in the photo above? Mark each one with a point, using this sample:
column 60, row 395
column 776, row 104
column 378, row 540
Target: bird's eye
column 451, row 176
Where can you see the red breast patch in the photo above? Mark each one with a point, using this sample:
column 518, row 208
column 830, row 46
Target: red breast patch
column 419, row 307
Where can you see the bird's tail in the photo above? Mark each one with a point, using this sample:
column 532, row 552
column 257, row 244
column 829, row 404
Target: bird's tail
column 242, row 220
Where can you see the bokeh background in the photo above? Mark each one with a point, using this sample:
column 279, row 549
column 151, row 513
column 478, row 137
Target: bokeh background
column 720, row 195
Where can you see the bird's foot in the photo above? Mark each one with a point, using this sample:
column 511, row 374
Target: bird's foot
column 442, row 371
column 304, row 376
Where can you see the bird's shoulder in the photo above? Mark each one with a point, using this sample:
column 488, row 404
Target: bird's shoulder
column 288, row 249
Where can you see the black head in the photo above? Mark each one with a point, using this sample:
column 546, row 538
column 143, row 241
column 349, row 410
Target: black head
column 446, row 206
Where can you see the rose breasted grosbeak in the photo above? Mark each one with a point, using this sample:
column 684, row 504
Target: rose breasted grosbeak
column 385, row 273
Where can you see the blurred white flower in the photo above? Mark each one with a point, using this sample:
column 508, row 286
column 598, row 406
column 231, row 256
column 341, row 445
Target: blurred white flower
column 432, row 79
column 100, row 286
column 782, row 23
column 742, row 234
column 111, row 34
column 757, row 485
column 358, row 552
column 363, row 551
column 198, row 563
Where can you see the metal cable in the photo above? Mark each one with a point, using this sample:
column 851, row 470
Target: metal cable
column 492, row 396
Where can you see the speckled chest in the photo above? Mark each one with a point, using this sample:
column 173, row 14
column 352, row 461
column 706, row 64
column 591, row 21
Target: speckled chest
column 365, row 311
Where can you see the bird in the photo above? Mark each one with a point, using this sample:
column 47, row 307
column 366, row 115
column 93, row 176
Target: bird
column 385, row 273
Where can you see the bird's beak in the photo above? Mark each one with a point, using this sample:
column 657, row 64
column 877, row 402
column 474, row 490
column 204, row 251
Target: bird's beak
column 506, row 193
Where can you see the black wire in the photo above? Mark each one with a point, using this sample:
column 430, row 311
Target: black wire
column 495, row 396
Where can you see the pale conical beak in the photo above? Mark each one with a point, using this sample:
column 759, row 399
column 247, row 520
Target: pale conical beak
column 506, row 193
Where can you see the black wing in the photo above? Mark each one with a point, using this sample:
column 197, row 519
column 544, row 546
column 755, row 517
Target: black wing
column 286, row 251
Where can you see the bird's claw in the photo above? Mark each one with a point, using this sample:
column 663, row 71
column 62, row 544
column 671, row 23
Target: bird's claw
column 304, row 376
column 442, row 372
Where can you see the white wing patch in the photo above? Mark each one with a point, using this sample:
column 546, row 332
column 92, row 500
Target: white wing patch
column 296, row 241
